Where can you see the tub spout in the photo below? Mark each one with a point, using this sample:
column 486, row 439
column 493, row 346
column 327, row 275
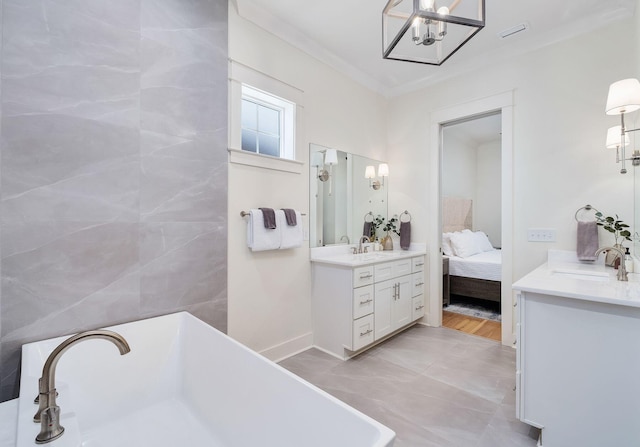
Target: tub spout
column 48, row 411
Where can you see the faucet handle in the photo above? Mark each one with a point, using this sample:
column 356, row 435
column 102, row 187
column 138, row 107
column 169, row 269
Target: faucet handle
column 51, row 428
column 354, row 251
column 366, row 249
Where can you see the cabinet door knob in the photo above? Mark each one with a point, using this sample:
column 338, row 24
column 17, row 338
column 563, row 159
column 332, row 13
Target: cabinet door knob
column 368, row 275
column 366, row 301
column 367, row 332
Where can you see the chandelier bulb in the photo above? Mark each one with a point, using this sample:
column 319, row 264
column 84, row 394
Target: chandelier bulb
column 416, row 30
column 428, row 5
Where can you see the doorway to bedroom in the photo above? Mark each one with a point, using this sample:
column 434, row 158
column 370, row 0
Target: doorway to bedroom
column 471, row 203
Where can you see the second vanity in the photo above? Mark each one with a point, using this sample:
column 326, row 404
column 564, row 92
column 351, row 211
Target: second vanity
column 578, row 355
column 361, row 299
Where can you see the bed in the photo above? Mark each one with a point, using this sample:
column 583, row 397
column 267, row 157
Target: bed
column 477, row 276
column 475, row 267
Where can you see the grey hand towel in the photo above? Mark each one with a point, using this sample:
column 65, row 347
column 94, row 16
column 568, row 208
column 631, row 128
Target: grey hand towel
column 366, row 230
column 587, row 241
column 269, row 218
column 405, row 235
column 290, row 214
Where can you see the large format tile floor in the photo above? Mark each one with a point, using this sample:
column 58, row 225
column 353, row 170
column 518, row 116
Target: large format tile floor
column 432, row 386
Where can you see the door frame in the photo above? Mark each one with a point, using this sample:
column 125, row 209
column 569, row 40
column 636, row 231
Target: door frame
column 503, row 103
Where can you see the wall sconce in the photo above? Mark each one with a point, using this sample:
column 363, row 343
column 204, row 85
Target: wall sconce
column 624, row 97
column 330, row 158
column 614, row 141
column 370, row 173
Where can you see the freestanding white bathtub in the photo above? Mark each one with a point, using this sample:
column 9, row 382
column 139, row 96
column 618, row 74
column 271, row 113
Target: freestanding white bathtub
column 185, row 384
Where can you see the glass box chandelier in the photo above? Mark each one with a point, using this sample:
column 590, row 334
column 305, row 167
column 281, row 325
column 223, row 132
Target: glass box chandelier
column 428, row 33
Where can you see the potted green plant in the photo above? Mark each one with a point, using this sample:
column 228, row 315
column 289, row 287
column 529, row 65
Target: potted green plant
column 378, row 221
column 387, row 242
column 620, row 232
column 616, row 226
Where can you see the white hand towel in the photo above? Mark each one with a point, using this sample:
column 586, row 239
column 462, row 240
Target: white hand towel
column 290, row 235
column 260, row 238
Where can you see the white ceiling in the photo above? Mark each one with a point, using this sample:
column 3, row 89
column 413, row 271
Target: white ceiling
column 477, row 131
column 347, row 34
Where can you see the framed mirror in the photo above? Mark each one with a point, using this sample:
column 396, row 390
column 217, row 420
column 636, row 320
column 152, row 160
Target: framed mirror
column 341, row 197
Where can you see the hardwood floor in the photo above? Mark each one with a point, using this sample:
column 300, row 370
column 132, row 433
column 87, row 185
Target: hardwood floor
column 472, row 325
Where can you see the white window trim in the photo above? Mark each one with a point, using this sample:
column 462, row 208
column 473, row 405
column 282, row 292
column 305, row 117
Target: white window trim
column 240, row 74
column 287, row 115
column 247, row 158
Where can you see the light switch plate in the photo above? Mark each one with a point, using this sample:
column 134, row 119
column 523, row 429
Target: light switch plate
column 541, row 235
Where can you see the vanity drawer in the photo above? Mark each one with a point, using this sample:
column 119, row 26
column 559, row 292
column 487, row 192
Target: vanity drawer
column 363, row 276
column 417, row 280
column 362, row 301
column 388, row 270
column 417, row 307
column 402, row 267
column 384, row 271
column 362, row 332
column 417, row 264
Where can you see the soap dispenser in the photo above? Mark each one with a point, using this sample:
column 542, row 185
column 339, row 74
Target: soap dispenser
column 628, row 261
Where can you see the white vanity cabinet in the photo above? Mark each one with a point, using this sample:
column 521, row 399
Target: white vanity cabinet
column 354, row 307
column 577, row 364
column 393, row 305
column 417, row 291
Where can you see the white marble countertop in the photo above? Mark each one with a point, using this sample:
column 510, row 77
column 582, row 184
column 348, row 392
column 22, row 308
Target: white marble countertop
column 342, row 256
column 582, row 281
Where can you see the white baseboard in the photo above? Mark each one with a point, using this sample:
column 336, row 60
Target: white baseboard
column 289, row 348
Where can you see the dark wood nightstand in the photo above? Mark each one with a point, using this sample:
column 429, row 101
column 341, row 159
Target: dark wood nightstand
column 445, row 281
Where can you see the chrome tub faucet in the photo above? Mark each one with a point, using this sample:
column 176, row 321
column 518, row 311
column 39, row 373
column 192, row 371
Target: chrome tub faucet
column 48, row 411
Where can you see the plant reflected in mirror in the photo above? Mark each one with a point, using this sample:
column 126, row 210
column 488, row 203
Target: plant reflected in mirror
column 337, row 218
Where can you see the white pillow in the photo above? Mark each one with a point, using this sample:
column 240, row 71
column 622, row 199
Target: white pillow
column 465, row 244
column 483, row 241
column 446, row 244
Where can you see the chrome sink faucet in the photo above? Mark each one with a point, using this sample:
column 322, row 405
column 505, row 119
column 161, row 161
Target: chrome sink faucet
column 48, row 411
column 622, row 271
column 366, row 238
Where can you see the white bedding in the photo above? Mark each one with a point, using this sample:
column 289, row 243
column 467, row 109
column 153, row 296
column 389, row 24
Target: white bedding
column 486, row 265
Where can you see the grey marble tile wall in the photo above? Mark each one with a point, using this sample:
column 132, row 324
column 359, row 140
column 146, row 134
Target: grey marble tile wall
column 113, row 166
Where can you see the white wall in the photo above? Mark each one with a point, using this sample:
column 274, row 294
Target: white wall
column 560, row 162
column 487, row 211
column 269, row 292
column 459, row 160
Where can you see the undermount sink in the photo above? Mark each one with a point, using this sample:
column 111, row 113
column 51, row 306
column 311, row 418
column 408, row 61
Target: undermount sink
column 586, row 275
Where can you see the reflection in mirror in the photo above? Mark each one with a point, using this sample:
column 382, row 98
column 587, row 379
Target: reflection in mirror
column 341, row 196
column 635, row 142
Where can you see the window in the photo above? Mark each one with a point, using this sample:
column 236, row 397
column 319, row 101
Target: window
column 266, row 117
column 267, row 124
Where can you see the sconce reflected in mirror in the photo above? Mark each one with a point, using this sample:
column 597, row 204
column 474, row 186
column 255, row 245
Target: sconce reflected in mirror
column 330, row 158
column 370, row 173
column 623, row 97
